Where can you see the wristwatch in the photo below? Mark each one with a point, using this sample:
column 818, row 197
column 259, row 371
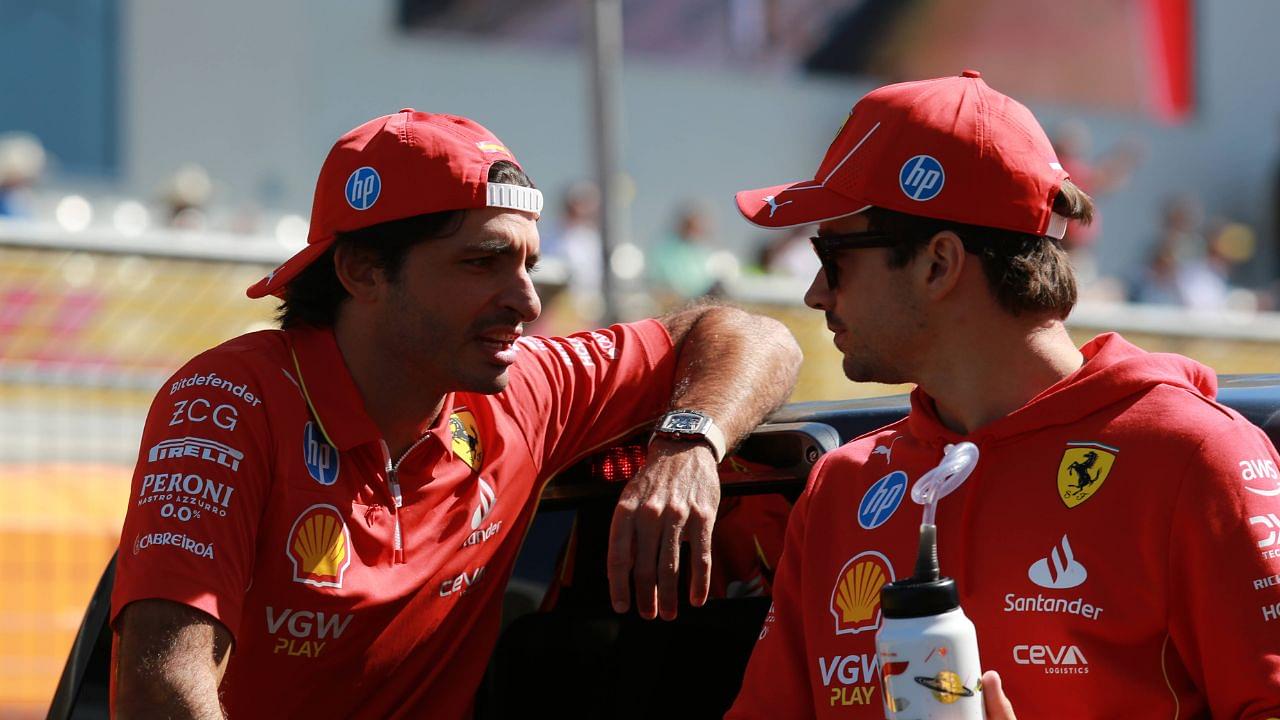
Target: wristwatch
column 692, row 426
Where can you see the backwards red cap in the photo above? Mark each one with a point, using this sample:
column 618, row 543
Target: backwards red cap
column 398, row 166
column 949, row 148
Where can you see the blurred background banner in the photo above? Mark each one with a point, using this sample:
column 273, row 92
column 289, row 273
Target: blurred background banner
column 1134, row 56
column 158, row 157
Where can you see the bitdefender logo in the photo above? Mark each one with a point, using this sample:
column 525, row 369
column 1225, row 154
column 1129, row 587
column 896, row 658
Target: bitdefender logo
column 1060, row 570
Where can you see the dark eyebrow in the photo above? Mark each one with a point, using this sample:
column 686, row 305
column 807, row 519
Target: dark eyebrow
column 495, row 245
column 498, row 246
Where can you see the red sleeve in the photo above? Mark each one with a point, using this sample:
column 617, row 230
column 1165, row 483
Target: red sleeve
column 198, row 491
column 1224, row 558
column 776, row 684
column 577, row 393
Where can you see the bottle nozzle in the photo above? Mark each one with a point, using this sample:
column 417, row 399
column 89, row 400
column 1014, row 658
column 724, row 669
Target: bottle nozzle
column 927, row 569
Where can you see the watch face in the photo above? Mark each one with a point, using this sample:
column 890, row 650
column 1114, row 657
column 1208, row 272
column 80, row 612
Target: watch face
column 683, row 423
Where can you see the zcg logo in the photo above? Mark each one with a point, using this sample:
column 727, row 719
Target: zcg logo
column 198, row 410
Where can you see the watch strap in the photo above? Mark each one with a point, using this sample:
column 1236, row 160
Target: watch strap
column 710, row 433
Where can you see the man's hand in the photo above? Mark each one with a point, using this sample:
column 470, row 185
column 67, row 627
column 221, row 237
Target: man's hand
column 737, row 368
column 994, row 700
column 673, row 499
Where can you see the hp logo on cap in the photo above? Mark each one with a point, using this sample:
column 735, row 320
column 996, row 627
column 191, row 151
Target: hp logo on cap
column 363, row 187
column 921, row 178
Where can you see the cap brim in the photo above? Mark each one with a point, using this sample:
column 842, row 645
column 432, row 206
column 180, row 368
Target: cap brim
column 795, row 204
column 276, row 280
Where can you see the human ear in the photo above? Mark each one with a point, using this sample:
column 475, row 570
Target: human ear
column 358, row 272
column 941, row 264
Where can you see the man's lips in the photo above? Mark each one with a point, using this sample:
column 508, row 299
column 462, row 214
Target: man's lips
column 500, row 343
column 836, row 332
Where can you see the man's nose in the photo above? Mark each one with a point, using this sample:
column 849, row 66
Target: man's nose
column 818, row 296
column 523, row 298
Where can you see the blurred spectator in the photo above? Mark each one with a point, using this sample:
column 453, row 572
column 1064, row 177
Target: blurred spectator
column 1177, row 239
column 577, row 242
column 684, row 262
column 1189, row 269
column 1158, row 284
column 186, row 195
column 790, row 254
column 22, row 161
column 1073, row 143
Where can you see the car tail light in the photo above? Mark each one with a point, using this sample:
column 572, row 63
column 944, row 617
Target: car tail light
column 618, row 464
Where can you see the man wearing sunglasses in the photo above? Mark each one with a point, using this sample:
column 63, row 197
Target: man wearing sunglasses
column 1108, row 544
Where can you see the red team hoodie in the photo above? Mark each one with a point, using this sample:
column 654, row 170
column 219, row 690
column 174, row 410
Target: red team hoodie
column 1117, row 547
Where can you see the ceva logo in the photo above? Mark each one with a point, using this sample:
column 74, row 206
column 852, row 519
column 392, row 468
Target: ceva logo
column 1060, row 570
column 1055, row 659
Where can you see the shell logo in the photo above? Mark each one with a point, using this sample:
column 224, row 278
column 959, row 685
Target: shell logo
column 855, row 599
column 319, row 547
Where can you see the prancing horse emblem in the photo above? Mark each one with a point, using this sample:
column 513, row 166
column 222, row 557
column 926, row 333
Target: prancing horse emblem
column 1084, row 467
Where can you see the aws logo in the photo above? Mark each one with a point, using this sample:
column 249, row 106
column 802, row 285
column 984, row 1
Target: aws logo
column 319, row 547
column 855, row 599
column 465, row 438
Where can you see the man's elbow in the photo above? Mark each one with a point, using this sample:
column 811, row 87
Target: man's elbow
column 779, row 336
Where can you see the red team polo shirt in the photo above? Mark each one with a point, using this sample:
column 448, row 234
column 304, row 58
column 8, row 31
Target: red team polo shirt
column 355, row 584
column 1117, row 547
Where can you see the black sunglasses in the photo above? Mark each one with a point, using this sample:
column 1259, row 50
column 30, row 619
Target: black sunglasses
column 827, row 246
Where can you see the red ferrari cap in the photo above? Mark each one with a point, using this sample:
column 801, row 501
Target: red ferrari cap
column 949, row 148
column 398, row 166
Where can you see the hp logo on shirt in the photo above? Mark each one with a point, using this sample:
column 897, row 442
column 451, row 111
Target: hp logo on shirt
column 320, row 457
column 882, row 500
column 922, row 178
column 363, row 188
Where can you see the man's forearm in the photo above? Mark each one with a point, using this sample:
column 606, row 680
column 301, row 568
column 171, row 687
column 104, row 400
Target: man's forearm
column 170, row 662
column 193, row 696
column 734, row 366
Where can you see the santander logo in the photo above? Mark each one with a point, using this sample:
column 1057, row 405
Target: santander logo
column 1059, row 570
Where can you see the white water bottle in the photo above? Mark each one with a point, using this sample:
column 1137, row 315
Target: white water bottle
column 928, row 649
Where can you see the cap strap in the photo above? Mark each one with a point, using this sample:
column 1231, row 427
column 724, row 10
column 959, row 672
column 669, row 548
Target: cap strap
column 1057, row 226
column 515, row 197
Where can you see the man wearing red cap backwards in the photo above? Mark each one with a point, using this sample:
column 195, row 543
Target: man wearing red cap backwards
column 1107, row 545
column 341, row 501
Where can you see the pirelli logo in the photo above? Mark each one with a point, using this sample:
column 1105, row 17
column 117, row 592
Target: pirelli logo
column 209, row 450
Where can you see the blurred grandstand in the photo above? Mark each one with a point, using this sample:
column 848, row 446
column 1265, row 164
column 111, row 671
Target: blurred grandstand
column 125, row 247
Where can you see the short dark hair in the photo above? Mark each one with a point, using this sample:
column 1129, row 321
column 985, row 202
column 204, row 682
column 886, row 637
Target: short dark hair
column 314, row 296
column 1028, row 274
